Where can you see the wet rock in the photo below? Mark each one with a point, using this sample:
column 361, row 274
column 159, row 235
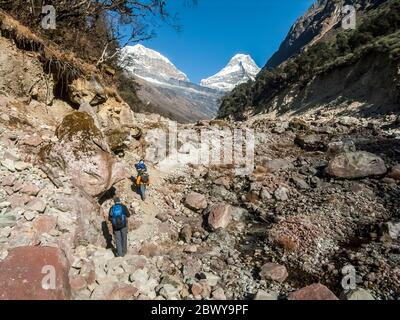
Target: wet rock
column 354, row 165
column 266, row 295
column 281, row 194
column 27, row 275
column 196, row 201
column 358, row 294
column 313, row 292
column 220, row 216
column 274, row 272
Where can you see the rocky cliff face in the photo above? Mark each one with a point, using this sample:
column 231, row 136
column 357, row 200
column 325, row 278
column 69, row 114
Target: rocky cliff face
column 240, row 69
column 323, row 17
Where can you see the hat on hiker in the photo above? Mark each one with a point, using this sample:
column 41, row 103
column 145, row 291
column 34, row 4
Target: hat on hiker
column 117, row 200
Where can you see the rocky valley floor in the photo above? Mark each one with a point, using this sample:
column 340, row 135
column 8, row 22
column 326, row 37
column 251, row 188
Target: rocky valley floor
column 323, row 195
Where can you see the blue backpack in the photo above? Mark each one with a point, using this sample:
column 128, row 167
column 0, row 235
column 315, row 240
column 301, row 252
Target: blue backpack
column 118, row 218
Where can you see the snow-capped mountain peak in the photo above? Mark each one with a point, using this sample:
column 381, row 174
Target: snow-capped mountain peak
column 149, row 64
column 241, row 68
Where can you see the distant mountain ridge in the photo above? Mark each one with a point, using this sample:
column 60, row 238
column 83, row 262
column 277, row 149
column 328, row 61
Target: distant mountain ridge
column 168, row 91
column 240, row 69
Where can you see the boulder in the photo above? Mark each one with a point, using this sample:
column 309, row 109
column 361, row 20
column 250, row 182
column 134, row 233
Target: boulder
column 34, row 273
column 220, row 216
column 337, row 147
column 83, row 91
column 274, row 272
column 353, row 165
column 82, row 154
column 395, row 173
column 311, row 142
column 196, row 201
column 358, row 294
column 281, row 194
column 315, row 291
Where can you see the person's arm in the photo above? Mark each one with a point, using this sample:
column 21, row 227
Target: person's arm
column 126, row 211
column 110, row 214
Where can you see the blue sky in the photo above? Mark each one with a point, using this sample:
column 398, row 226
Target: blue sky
column 213, row 31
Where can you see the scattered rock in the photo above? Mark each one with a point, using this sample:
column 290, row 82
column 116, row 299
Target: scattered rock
column 281, row 194
column 274, row 272
column 311, row 142
column 395, row 173
column 354, row 165
column 337, row 147
column 36, row 204
column 220, row 216
column 277, row 165
column 313, row 292
column 186, row 233
column 196, row 201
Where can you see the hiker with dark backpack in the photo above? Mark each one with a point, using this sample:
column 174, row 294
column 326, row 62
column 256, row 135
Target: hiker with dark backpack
column 143, row 179
column 118, row 216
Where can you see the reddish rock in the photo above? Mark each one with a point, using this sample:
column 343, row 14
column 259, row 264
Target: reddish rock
column 8, row 181
column 314, row 292
column 196, row 289
column 30, row 189
column 395, row 173
column 353, row 165
column 196, row 201
column 18, row 200
column 36, row 205
column 149, row 250
column 220, row 216
column 24, row 275
column 123, row 293
column 77, row 283
column 223, row 181
column 32, row 141
column 274, row 272
column 44, row 224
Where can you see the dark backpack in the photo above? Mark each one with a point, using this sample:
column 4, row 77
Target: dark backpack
column 118, row 218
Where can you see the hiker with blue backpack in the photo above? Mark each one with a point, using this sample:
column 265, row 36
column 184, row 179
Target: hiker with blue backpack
column 118, row 216
column 142, row 179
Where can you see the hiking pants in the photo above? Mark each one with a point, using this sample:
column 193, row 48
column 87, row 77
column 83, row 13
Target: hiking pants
column 121, row 241
column 142, row 191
